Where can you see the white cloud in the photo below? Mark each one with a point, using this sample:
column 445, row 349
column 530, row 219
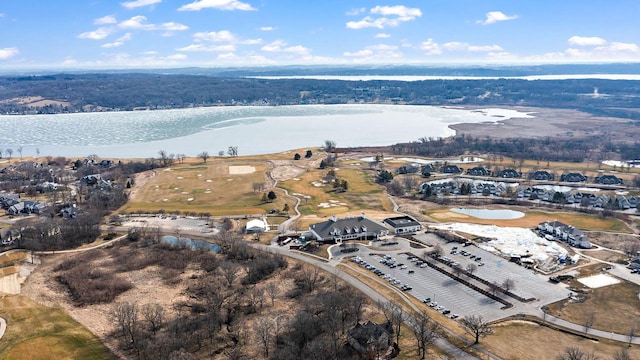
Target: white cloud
column 361, row 53
column 496, row 16
column 173, row 26
column 275, row 46
column 298, row 49
column 215, row 36
column 208, row 48
column 216, row 4
column 484, row 48
column 139, row 22
column 455, row 46
column 97, row 34
column 267, row 28
column 430, row 47
column 382, row 36
column 357, row 11
column 7, row 53
column 119, row 42
column 587, row 41
column 618, row 48
column 136, row 22
column 109, row 19
column 391, row 16
column 251, row 42
column 176, row 57
column 139, row 3
column 227, row 56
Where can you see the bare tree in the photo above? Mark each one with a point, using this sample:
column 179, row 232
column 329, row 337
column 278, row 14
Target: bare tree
column 9, row 152
column 263, row 331
column 574, row 353
column 476, row 326
column 204, row 156
column 126, row 315
column 164, row 157
column 493, row 288
column 19, row 149
column 229, row 271
column 273, row 290
column 258, row 186
column 471, row 268
column 154, row 315
column 425, row 331
column 232, row 151
column 329, row 145
column 508, row 284
column 622, row 354
column 457, row 270
column 588, row 323
column 394, row 314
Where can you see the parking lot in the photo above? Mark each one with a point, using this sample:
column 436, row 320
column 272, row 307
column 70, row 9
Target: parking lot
column 448, row 294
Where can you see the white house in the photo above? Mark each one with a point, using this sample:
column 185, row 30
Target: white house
column 257, row 226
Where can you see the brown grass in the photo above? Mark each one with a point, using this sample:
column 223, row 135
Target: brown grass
column 525, row 340
column 616, row 308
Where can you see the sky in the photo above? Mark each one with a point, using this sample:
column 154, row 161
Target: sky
column 112, row 34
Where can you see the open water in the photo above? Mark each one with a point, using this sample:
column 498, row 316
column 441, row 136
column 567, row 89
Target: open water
column 252, row 129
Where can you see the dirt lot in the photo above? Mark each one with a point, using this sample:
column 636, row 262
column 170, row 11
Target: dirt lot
column 553, row 123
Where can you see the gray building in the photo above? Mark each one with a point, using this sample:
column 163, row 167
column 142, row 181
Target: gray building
column 351, row 228
column 403, row 224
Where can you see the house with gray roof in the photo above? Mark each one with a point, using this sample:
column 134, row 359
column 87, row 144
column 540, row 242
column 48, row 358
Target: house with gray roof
column 609, row 180
column 541, row 175
column 337, row 230
column 403, row 224
column 565, row 233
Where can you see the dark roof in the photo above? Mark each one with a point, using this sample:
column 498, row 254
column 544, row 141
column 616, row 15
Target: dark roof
column 350, row 225
column 479, row 171
column 609, row 180
column 369, row 332
column 541, row 175
column 509, row 173
column 450, row 169
column 573, row 177
column 401, row 221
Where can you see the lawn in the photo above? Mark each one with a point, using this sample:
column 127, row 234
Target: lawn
column 614, row 308
column 37, row 332
column 206, row 188
column 525, row 340
column 320, row 198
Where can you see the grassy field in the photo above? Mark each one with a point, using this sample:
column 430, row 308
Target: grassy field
column 36, row 332
column 614, row 308
column 516, row 340
column 533, row 217
column 362, row 193
column 206, row 188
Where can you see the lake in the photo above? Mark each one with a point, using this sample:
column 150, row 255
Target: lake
column 253, row 129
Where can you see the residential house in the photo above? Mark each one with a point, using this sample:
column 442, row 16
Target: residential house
column 408, row 169
column 541, row 175
column 27, row 207
column 427, row 169
column 69, row 212
column 370, row 336
column 403, row 224
column 450, row 169
column 351, row 228
column 609, row 180
column 573, row 177
column 7, row 200
column 509, row 174
column 479, row 171
column 565, row 233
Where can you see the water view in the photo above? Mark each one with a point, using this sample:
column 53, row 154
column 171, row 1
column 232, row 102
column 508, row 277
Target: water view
column 253, row 129
column 497, row 214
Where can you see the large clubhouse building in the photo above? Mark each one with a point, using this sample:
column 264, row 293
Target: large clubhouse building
column 337, row 230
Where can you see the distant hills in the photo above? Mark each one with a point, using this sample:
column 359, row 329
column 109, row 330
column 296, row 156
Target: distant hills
column 189, row 87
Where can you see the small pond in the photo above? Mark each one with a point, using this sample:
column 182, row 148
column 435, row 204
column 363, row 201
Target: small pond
column 498, row 214
column 190, row 243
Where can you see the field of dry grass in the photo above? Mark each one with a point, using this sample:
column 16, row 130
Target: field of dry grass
column 614, row 308
column 516, row 340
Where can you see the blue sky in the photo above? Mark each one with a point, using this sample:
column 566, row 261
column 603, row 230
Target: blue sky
column 107, row 34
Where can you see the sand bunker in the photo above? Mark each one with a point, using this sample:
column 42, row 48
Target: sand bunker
column 599, row 280
column 240, row 170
